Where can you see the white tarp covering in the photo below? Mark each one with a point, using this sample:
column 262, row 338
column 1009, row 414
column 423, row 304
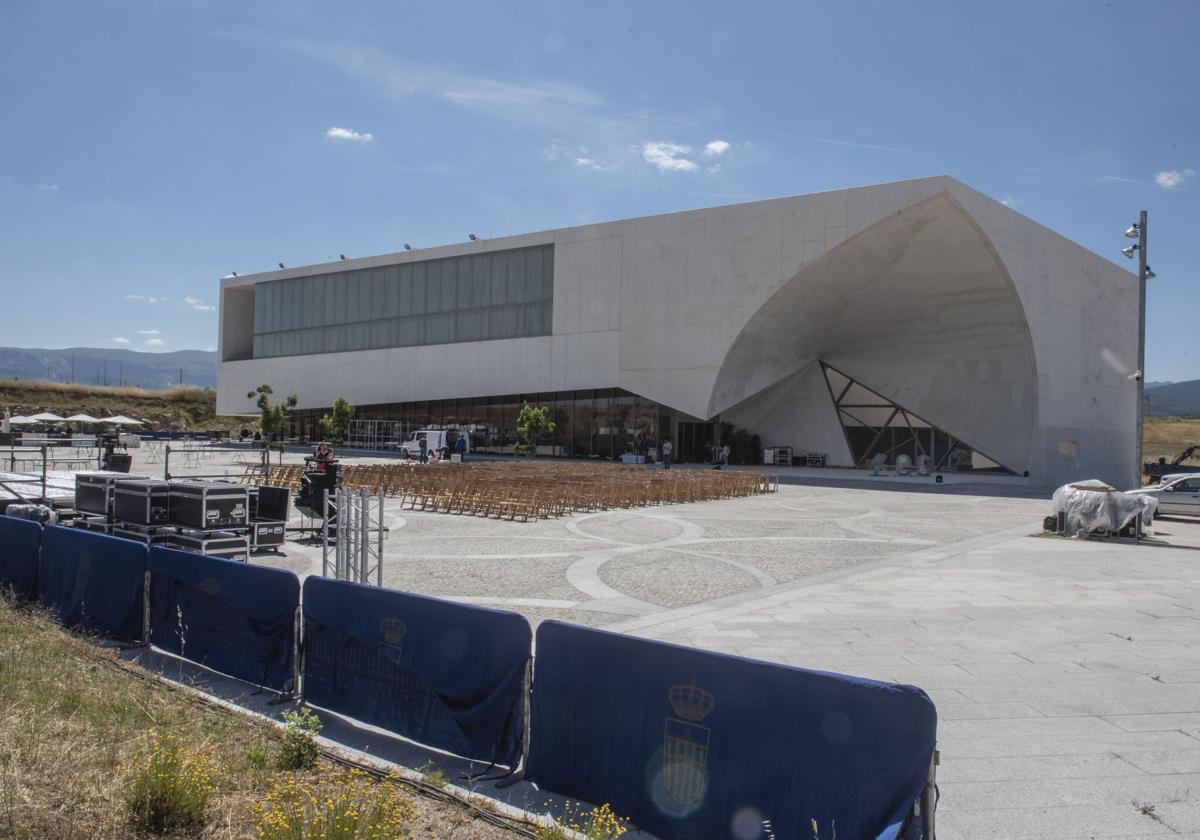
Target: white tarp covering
column 1092, row 505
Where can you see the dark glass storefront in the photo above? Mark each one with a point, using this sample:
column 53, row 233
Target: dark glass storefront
column 604, row 423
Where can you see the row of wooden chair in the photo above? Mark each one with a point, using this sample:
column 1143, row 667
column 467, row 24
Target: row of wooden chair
column 529, row 490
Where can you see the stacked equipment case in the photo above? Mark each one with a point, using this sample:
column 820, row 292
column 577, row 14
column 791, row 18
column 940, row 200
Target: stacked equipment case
column 211, row 518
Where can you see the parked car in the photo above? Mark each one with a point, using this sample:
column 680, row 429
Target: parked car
column 1180, row 495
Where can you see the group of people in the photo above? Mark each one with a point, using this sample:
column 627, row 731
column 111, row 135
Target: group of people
column 442, row 454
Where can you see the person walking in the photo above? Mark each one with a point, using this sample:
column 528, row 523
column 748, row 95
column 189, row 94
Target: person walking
column 666, row 454
column 424, row 444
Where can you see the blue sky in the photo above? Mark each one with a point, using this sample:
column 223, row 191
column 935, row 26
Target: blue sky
column 148, row 148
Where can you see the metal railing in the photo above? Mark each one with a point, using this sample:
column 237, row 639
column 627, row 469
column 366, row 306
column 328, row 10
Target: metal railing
column 42, row 461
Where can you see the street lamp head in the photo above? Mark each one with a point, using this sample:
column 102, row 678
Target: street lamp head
column 1132, row 232
column 1150, row 275
column 1128, row 252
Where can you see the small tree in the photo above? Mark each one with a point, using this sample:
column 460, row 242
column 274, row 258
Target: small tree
column 274, row 415
column 532, row 423
column 337, row 421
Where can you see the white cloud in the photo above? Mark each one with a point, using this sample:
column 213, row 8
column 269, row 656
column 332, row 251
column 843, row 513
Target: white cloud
column 350, row 134
column 119, row 340
column 716, row 147
column 147, row 332
column 1172, row 178
column 668, row 157
column 581, row 156
column 48, row 187
column 145, row 298
column 154, row 342
column 714, row 169
column 592, row 163
column 199, row 305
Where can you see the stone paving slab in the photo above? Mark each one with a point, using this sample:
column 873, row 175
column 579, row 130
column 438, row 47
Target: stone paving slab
column 1060, row 669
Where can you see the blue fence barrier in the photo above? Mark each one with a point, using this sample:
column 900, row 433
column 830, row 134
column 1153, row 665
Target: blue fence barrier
column 20, row 540
column 443, row 674
column 229, row 616
column 689, row 744
column 93, row 581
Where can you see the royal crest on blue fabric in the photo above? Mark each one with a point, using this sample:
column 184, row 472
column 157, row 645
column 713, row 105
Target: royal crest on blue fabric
column 442, row 674
column 692, row 744
column 229, row 616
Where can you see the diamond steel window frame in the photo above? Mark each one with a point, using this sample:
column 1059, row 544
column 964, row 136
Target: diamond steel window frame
column 847, row 410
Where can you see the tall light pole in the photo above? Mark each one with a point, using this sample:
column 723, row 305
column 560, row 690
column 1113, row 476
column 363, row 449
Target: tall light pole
column 1138, row 231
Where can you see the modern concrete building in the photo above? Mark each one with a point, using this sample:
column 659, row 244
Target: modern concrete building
column 918, row 317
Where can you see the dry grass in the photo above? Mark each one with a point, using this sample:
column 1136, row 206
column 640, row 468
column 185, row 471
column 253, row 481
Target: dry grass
column 178, row 409
column 1168, row 436
column 72, row 722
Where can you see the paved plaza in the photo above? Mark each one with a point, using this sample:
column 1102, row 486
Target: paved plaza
column 1066, row 673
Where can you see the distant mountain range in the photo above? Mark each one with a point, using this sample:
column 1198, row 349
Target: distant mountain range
column 108, row 366
column 1173, row 399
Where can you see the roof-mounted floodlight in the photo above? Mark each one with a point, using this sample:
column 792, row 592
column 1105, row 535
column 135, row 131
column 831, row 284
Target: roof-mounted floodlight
column 1150, row 275
column 407, row 247
column 1128, row 252
column 1132, row 232
column 473, row 237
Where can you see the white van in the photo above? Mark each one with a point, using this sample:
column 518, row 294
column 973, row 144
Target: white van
column 435, row 440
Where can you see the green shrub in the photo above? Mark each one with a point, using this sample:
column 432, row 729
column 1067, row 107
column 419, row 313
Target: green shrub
column 171, row 785
column 298, row 748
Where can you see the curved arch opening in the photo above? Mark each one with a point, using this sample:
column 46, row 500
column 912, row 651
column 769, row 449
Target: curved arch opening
column 917, row 305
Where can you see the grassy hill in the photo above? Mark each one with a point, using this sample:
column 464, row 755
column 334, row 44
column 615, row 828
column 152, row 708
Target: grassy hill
column 177, row 409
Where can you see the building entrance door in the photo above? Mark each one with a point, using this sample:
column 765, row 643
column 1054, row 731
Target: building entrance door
column 695, row 442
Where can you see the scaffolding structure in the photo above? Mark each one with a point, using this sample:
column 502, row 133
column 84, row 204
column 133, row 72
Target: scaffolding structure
column 377, row 435
column 353, row 527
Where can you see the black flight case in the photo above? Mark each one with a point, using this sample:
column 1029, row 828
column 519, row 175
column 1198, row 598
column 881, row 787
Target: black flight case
column 225, row 544
column 142, row 502
column 94, row 491
column 268, row 517
column 209, row 505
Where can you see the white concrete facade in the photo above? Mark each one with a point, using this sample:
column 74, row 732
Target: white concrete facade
column 968, row 314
